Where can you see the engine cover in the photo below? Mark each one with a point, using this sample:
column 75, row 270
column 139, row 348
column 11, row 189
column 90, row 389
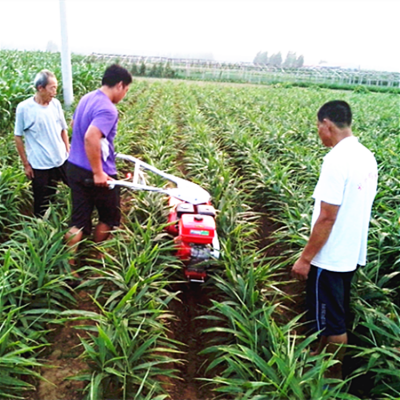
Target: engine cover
column 197, row 228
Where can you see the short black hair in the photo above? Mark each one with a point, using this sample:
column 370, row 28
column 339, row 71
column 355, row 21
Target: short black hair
column 115, row 74
column 337, row 111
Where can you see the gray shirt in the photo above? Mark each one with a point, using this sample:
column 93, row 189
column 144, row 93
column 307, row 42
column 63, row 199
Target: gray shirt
column 42, row 126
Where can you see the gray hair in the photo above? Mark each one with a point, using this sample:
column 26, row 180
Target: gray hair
column 42, row 78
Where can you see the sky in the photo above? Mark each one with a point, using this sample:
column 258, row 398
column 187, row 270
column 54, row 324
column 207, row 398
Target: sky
column 348, row 33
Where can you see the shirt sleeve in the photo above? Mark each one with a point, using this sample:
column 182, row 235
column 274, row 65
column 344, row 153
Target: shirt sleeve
column 105, row 120
column 331, row 184
column 19, row 122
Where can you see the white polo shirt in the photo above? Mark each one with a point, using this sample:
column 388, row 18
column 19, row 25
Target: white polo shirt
column 348, row 179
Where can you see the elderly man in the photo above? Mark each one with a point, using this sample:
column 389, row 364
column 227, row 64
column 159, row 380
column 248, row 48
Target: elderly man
column 338, row 243
column 40, row 120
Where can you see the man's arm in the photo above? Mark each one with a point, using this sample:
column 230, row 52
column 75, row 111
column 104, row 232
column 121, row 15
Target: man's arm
column 319, row 236
column 65, row 139
column 93, row 151
column 21, row 151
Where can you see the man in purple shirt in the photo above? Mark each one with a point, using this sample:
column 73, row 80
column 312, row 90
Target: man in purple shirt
column 92, row 158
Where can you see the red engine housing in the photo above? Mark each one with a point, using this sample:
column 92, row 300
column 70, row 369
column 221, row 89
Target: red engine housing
column 194, row 229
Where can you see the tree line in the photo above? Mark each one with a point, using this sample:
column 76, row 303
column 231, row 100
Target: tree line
column 275, row 60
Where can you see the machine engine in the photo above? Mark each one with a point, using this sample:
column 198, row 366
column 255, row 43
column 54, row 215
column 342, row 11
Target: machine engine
column 195, row 237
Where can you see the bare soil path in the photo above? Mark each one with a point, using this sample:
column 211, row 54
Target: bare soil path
column 62, row 359
column 194, row 299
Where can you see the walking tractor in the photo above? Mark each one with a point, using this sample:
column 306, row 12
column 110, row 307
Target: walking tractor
column 191, row 219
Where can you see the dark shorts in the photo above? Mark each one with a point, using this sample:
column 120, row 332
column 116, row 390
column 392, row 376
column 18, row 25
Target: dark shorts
column 85, row 198
column 328, row 300
column 44, row 186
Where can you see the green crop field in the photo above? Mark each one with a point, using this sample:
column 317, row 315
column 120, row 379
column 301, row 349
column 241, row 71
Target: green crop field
column 133, row 330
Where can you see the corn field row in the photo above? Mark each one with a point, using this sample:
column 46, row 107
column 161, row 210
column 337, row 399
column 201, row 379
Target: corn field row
column 252, row 148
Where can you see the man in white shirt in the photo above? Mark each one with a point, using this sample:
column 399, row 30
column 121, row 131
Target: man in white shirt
column 40, row 120
column 338, row 243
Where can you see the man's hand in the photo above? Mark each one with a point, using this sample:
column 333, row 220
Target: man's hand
column 101, row 179
column 21, row 151
column 28, row 171
column 301, row 269
column 319, row 235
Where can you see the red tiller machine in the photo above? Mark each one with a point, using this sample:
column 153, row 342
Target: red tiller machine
column 191, row 219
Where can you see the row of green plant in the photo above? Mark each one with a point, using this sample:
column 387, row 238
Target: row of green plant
column 27, row 290
column 275, row 146
column 259, row 357
column 133, row 353
column 128, row 343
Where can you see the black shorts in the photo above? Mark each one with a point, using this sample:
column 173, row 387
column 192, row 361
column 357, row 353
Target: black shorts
column 328, row 300
column 87, row 197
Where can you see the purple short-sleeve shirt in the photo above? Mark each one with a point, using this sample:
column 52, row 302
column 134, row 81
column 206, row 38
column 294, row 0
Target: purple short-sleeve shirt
column 95, row 108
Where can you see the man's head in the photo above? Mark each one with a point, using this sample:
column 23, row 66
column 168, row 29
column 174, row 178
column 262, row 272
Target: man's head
column 338, row 112
column 46, row 85
column 117, row 79
column 334, row 122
